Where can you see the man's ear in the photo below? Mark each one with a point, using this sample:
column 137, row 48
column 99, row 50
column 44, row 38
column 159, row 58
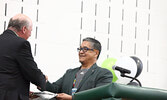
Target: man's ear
column 97, row 52
column 23, row 29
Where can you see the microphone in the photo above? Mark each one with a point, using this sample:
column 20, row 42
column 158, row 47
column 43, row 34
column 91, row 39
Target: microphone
column 122, row 70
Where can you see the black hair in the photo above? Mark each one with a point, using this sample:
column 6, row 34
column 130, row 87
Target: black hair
column 94, row 43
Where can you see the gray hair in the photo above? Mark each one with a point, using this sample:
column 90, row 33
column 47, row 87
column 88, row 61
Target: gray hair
column 18, row 23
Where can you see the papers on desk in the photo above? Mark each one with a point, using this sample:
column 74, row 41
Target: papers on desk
column 45, row 95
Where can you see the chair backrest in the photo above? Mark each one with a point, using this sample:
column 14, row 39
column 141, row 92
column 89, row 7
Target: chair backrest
column 115, row 90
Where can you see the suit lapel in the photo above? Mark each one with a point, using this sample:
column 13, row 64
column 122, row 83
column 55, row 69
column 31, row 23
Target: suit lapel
column 73, row 76
column 71, row 79
column 87, row 75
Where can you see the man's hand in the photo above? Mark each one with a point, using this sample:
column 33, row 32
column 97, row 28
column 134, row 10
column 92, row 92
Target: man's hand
column 46, row 77
column 63, row 96
column 32, row 96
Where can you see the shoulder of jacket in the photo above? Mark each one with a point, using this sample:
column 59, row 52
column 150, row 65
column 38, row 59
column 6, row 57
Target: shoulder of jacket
column 72, row 69
column 102, row 69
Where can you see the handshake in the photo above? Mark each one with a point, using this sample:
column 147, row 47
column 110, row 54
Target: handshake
column 33, row 95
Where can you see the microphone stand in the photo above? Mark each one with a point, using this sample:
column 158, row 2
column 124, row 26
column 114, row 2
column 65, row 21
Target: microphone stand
column 123, row 75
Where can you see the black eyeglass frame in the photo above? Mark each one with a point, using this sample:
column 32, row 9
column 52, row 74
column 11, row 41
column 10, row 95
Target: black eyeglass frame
column 84, row 49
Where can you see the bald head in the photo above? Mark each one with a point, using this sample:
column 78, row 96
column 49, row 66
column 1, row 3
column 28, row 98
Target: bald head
column 18, row 21
column 21, row 24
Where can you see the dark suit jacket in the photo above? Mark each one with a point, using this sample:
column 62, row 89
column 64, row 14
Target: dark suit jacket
column 17, row 68
column 95, row 76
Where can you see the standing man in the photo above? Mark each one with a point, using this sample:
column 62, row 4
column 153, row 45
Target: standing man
column 17, row 65
column 85, row 77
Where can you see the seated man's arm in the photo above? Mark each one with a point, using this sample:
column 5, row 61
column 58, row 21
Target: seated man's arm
column 54, row 87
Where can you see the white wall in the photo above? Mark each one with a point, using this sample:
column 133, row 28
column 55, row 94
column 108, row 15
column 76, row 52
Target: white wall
column 124, row 27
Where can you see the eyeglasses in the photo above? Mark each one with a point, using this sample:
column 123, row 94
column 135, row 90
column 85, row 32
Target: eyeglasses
column 84, row 49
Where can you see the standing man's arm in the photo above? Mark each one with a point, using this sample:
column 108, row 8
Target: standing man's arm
column 28, row 66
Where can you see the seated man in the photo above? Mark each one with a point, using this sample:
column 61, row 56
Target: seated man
column 87, row 76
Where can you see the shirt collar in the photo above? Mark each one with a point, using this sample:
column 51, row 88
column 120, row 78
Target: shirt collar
column 14, row 32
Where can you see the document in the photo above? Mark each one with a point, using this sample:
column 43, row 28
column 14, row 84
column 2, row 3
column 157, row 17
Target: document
column 45, row 95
